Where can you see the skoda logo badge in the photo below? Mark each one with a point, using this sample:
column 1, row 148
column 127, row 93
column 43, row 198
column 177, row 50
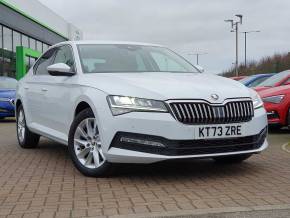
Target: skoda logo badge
column 214, row 97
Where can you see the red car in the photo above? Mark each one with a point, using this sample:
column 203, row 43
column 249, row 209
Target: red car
column 277, row 104
column 279, row 79
column 237, row 78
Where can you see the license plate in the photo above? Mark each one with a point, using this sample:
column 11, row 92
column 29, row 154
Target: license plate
column 217, row 131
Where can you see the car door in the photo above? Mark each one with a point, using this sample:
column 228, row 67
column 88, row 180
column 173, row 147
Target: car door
column 57, row 101
column 34, row 92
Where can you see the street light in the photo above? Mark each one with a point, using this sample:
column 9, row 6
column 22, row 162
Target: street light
column 247, row 32
column 235, row 28
column 197, row 56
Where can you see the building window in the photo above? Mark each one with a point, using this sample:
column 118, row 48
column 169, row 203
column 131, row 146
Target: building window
column 8, row 62
column 7, row 34
column 1, row 51
column 9, row 40
column 1, row 37
column 32, row 44
column 25, row 41
column 39, row 46
column 16, row 40
column 45, row 47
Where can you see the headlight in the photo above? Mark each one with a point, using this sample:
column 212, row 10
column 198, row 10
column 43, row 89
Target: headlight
column 274, row 99
column 122, row 104
column 257, row 101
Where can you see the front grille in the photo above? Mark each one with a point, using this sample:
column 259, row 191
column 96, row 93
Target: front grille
column 204, row 113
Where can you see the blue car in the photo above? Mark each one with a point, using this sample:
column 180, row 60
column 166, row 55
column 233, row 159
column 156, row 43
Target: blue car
column 7, row 97
column 255, row 80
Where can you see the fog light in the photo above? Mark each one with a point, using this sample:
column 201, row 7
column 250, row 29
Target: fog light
column 271, row 113
column 141, row 141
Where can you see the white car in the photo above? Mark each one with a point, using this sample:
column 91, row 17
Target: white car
column 120, row 102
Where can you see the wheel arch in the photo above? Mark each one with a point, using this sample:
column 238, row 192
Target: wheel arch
column 93, row 99
column 82, row 105
column 89, row 99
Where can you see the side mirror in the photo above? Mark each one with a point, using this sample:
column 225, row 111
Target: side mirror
column 60, row 69
column 199, row 68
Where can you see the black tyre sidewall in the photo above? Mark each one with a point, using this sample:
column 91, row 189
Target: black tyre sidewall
column 98, row 172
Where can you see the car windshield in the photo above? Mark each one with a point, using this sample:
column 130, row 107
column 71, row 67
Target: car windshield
column 246, row 79
column 254, row 80
column 131, row 58
column 258, row 81
column 7, row 83
column 276, row 78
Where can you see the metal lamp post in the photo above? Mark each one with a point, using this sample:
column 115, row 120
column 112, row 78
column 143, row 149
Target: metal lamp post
column 247, row 32
column 235, row 28
column 197, row 56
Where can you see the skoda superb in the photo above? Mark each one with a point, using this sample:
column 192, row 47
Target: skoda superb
column 120, row 102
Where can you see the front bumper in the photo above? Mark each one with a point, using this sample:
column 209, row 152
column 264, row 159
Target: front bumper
column 135, row 142
column 174, row 134
column 276, row 113
column 7, row 109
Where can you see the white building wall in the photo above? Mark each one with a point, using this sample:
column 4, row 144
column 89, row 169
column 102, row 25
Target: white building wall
column 46, row 16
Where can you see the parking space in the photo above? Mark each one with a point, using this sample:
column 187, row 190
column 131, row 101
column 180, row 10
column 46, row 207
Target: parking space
column 42, row 182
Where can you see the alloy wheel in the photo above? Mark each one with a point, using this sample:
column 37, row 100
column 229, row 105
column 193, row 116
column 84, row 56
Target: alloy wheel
column 21, row 126
column 87, row 144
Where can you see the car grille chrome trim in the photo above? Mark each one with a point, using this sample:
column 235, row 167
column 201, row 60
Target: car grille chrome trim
column 235, row 111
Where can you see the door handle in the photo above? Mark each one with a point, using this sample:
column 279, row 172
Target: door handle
column 44, row 89
column 26, row 87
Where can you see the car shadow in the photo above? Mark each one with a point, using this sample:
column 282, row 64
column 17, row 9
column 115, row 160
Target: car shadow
column 172, row 170
column 276, row 130
column 195, row 168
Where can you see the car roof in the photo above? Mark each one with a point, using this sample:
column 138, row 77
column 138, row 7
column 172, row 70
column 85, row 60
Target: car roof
column 99, row 42
column 262, row 75
column 6, row 78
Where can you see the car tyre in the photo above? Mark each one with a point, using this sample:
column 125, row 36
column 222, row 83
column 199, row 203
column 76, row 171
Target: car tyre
column 85, row 148
column 25, row 137
column 232, row 159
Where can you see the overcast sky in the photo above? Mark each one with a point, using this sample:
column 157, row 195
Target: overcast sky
column 185, row 25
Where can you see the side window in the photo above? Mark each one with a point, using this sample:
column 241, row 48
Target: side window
column 64, row 55
column 41, row 66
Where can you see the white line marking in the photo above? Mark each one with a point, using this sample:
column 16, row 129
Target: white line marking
column 286, row 147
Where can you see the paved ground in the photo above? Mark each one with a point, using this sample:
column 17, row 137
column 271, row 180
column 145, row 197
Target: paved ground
column 43, row 183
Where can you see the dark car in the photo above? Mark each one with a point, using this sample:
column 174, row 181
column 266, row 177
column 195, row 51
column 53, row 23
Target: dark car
column 255, row 80
column 7, row 97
